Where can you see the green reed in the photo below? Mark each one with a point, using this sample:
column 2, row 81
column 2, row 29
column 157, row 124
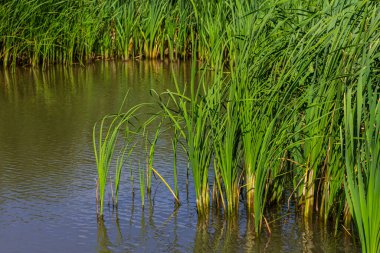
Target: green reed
column 175, row 173
column 47, row 32
column 142, row 185
column 226, row 150
column 361, row 151
column 104, row 151
column 121, row 159
column 150, row 158
column 105, row 138
column 293, row 83
column 192, row 124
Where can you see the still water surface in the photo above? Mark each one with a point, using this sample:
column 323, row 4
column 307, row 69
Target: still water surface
column 47, row 173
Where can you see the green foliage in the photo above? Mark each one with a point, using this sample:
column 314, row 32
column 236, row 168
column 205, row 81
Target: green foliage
column 361, row 150
column 150, row 158
column 142, row 186
column 192, row 124
column 292, row 82
column 105, row 138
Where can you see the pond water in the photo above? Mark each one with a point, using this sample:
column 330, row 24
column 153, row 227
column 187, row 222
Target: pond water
column 48, row 172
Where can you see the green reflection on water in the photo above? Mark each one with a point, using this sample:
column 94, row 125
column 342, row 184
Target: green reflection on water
column 47, row 115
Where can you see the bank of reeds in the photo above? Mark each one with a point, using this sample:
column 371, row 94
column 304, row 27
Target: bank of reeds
column 47, row 32
column 293, row 85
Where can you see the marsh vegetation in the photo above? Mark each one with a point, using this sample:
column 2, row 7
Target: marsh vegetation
column 293, row 97
column 282, row 106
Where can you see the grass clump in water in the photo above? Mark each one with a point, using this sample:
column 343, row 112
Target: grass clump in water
column 293, row 83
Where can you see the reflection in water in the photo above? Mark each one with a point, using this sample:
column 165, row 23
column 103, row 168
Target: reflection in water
column 119, row 239
column 202, row 237
column 218, row 235
column 47, row 173
column 307, row 236
column 176, row 243
column 232, row 235
column 103, row 239
column 46, row 117
column 250, row 235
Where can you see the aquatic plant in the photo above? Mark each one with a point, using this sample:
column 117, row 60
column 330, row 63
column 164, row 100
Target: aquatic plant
column 150, row 159
column 192, row 124
column 142, row 185
column 104, row 151
column 226, row 141
column 175, row 173
column 167, row 186
column 124, row 154
column 291, row 84
column 105, row 138
column 361, row 151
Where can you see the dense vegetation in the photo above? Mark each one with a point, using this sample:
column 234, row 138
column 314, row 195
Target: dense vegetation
column 300, row 102
column 293, row 97
column 45, row 32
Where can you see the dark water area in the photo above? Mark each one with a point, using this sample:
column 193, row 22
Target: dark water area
column 48, row 172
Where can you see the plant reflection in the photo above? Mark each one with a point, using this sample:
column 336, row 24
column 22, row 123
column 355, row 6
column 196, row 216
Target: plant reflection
column 103, row 239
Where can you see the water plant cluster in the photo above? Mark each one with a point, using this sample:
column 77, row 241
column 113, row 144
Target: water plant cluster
column 292, row 104
column 46, row 32
column 293, row 97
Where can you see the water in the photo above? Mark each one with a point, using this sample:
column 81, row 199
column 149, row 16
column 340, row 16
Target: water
column 47, row 174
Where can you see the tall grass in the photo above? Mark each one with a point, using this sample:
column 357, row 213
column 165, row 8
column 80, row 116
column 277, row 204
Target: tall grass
column 125, row 154
column 142, row 186
column 192, row 124
column 361, row 150
column 175, row 172
column 226, row 150
column 105, row 138
column 47, row 32
column 150, row 158
column 292, row 84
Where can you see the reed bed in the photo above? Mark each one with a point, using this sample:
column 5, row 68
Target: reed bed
column 47, row 32
column 292, row 105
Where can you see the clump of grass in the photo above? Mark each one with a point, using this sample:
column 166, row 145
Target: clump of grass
column 226, row 140
column 192, row 124
column 104, row 151
column 361, row 150
column 105, row 138
column 271, row 111
column 227, row 158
